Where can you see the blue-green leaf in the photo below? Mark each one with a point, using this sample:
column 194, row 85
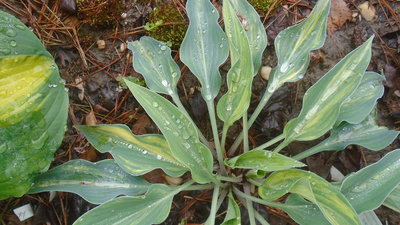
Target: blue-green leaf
column 333, row 204
column 179, row 131
column 153, row 60
column 357, row 107
column 135, row 154
column 233, row 216
column 236, row 101
column 367, row 134
column 204, row 47
column 322, row 102
column 254, row 30
column 263, row 160
column 369, row 187
column 33, row 107
column 151, row 208
column 393, row 200
column 294, row 44
column 95, row 182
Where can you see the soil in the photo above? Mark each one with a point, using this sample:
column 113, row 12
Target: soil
column 96, row 96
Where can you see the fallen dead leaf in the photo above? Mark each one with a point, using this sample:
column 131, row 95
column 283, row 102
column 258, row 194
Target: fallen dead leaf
column 90, row 119
column 140, row 125
column 339, row 15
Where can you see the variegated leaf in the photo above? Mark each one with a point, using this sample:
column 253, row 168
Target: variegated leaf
column 357, row 107
column 153, row 60
column 368, row 188
column 322, row 102
column 95, row 182
column 263, row 160
column 151, row 208
column 367, row 134
column 294, row 44
column 135, row 154
column 204, row 47
column 235, row 102
column 254, row 30
column 393, row 200
column 179, row 131
column 335, row 207
column 233, row 216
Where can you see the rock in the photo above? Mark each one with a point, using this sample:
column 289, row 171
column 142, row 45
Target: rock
column 101, row 44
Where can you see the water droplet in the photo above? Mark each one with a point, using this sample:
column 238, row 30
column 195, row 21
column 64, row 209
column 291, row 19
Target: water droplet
column 130, row 146
column 187, row 145
column 221, row 45
column 159, row 157
column 185, row 135
column 13, row 43
column 155, row 104
column 3, row 147
column 165, row 83
column 208, row 97
column 174, row 74
column 5, row 51
column 10, row 32
column 52, row 85
column 163, row 47
column 170, row 92
column 213, row 11
column 19, row 26
column 284, row 67
column 144, row 152
column 258, row 36
column 229, row 107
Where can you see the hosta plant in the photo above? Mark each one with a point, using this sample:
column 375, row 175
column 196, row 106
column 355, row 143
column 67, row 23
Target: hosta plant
column 33, row 107
column 342, row 103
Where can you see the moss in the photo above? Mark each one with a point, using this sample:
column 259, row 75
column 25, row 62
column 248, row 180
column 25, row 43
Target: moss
column 262, row 6
column 99, row 12
column 158, row 28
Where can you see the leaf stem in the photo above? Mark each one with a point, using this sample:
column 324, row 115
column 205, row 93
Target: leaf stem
column 281, row 146
column 213, row 211
column 260, row 218
column 245, row 134
column 309, row 152
column 258, row 200
column 197, row 187
column 267, row 95
column 220, row 153
column 271, row 142
column 229, row 179
column 249, row 205
column 256, row 183
column 224, row 133
column 180, row 106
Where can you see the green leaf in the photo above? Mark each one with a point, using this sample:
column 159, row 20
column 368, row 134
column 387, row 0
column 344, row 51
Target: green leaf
column 334, row 206
column 153, row 60
column 254, row 30
column 204, row 47
column 369, row 187
column 367, row 134
column 135, row 154
column 256, row 174
column 393, row 200
column 236, row 101
column 179, row 131
column 263, row 160
column 33, row 110
column 307, row 213
column 357, row 107
column 152, row 208
column 304, row 212
column 294, row 44
column 322, row 102
column 95, row 182
column 233, row 213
